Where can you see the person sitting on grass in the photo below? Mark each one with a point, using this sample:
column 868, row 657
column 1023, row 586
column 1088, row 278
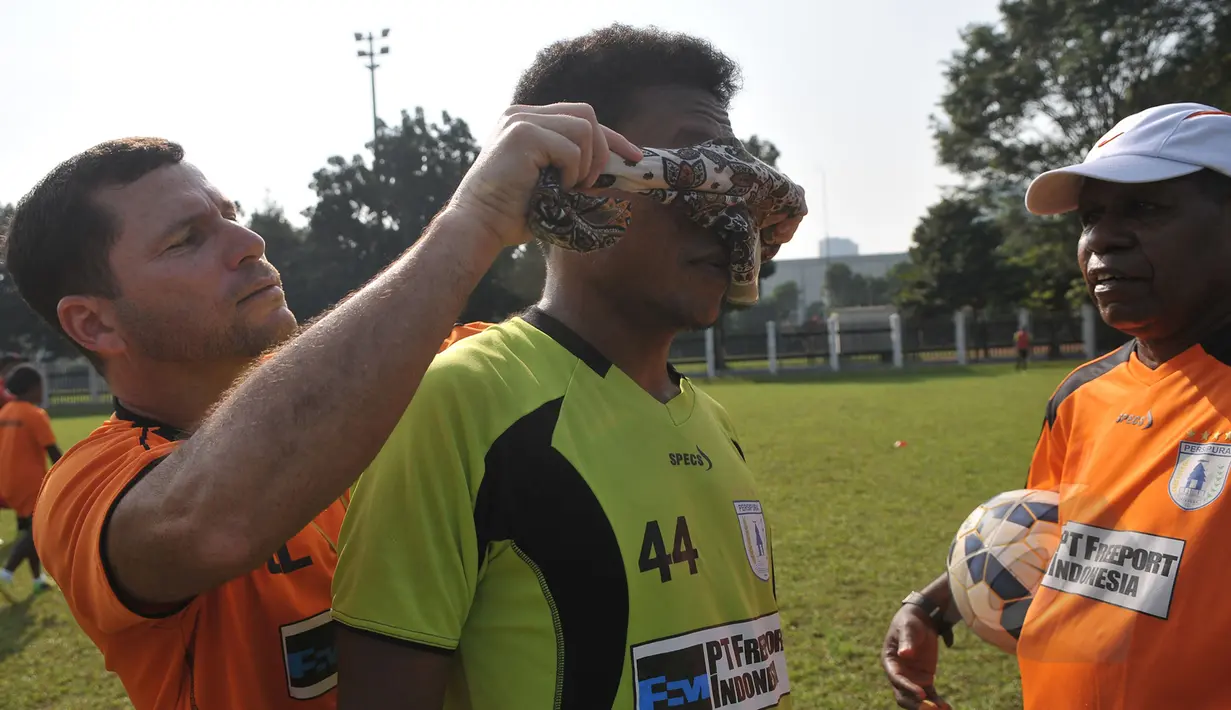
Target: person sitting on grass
column 25, row 439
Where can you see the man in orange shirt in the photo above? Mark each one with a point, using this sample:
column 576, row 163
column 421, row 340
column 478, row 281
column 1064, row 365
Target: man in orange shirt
column 1131, row 612
column 26, row 440
column 194, row 533
column 1021, row 339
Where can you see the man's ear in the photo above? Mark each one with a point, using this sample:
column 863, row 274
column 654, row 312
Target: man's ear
column 90, row 322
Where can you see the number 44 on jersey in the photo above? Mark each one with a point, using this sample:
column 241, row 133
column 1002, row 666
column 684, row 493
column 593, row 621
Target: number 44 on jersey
column 654, row 550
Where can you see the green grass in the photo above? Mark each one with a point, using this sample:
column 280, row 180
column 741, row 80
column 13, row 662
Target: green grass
column 857, row 524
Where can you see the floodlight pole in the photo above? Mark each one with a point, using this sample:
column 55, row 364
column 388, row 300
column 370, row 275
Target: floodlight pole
column 370, row 54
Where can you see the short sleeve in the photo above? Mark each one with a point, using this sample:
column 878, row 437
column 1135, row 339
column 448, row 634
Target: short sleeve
column 70, row 522
column 40, row 428
column 1047, row 463
column 408, row 555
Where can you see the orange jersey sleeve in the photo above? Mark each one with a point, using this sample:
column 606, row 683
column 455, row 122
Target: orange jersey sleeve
column 75, row 503
column 1048, row 460
column 264, row 639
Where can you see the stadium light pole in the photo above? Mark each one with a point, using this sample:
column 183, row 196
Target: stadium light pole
column 370, row 53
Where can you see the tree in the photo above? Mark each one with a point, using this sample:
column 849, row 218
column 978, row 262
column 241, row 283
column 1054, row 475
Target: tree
column 784, row 300
column 1036, row 89
column 846, row 288
column 956, row 259
column 287, row 248
column 367, row 215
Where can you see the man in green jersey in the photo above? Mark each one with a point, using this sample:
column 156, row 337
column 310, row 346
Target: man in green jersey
column 562, row 520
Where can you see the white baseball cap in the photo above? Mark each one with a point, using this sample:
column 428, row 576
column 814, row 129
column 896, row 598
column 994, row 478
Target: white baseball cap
column 1160, row 143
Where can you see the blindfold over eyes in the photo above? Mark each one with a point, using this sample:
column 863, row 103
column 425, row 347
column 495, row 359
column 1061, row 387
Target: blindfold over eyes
column 751, row 207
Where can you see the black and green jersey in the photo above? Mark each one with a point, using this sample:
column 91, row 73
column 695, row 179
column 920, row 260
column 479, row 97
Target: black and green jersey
column 575, row 542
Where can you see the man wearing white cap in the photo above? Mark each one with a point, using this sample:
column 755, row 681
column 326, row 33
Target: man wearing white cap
column 1131, row 610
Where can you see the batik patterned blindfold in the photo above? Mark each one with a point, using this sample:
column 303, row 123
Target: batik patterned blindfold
column 751, row 207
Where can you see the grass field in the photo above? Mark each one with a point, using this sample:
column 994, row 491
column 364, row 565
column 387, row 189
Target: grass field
column 857, row 525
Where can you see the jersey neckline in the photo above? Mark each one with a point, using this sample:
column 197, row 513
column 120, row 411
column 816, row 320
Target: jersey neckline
column 141, row 421
column 1217, row 346
column 679, row 407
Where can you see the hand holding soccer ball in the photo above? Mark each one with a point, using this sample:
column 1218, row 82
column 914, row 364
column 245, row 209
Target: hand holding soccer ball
column 997, row 560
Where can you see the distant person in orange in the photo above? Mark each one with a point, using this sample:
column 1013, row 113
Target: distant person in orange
column 1131, row 612
column 194, row 534
column 1022, row 340
column 26, row 442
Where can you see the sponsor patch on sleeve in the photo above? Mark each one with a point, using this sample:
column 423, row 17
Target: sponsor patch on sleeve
column 741, row 666
column 1132, row 570
column 310, row 657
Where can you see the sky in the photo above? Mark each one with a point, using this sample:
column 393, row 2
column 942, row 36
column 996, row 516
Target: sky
column 262, row 92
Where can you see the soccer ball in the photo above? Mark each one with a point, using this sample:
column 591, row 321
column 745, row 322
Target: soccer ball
column 997, row 560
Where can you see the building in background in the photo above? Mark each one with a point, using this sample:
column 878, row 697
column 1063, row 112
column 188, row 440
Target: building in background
column 838, row 246
column 809, row 274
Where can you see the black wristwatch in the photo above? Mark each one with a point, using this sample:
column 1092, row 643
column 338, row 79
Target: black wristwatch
column 943, row 626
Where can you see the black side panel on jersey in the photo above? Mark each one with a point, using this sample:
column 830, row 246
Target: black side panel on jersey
column 533, row 496
column 1085, row 375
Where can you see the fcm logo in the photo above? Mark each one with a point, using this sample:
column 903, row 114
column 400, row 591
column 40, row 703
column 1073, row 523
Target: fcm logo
column 677, row 680
column 690, row 459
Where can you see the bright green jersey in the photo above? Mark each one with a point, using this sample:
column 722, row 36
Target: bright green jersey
column 575, row 542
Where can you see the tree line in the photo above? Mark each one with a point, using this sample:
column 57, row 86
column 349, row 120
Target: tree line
column 1031, row 91
column 366, row 213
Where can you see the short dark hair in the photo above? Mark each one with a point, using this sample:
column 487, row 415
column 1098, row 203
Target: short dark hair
column 604, row 67
column 22, row 380
column 60, row 238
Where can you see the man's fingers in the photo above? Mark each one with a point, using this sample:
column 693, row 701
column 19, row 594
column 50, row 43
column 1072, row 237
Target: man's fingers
column 906, row 700
column 554, row 149
column 934, row 700
column 904, row 681
column 603, row 140
column 622, row 146
column 577, row 130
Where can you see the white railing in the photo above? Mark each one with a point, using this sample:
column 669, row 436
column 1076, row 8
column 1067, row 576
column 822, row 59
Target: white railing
column 76, row 383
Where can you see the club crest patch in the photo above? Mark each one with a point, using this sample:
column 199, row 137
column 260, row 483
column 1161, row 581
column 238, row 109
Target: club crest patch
column 756, row 542
column 1200, row 474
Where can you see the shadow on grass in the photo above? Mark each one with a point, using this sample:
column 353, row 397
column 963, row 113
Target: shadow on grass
column 18, row 626
column 881, row 375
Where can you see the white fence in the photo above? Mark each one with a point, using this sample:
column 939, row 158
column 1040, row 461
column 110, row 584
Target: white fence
column 73, row 383
column 860, row 338
column 76, row 383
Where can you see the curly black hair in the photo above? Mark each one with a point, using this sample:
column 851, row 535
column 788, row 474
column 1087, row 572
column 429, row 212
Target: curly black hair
column 604, row 67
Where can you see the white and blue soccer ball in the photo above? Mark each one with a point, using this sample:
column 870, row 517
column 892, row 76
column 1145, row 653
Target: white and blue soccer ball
column 998, row 559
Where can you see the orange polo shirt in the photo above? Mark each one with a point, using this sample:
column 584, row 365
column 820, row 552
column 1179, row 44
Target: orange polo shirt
column 263, row 640
column 1131, row 613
